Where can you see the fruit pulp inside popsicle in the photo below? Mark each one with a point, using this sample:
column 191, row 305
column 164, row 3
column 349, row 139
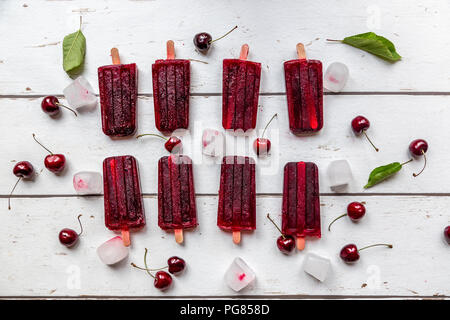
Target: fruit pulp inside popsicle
column 118, row 95
column 176, row 194
column 237, row 199
column 240, row 94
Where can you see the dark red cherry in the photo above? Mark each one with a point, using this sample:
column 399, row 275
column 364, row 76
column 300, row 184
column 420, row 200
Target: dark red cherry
column 163, row 280
column 50, row 105
column 202, row 41
column 286, row 244
column 176, row 265
column 55, row 162
column 447, row 234
column 262, row 146
column 173, row 144
column 23, row 169
column 418, row 148
column 356, row 210
column 359, row 125
column 68, row 237
column 350, row 252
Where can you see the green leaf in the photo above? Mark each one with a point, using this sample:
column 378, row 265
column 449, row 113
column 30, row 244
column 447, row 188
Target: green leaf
column 374, row 44
column 381, row 173
column 74, row 50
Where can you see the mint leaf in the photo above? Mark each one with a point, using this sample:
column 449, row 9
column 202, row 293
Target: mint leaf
column 374, row 44
column 381, row 173
column 74, row 50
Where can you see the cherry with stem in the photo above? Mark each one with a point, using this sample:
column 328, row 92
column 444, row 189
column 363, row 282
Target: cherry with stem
column 262, row 145
column 173, row 143
column 69, row 237
column 355, row 211
column 418, row 148
column 285, row 243
column 22, row 170
column 53, row 162
column 350, row 253
column 203, row 40
column 162, row 280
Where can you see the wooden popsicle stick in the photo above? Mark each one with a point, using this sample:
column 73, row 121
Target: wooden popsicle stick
column 115, row 56
column 244, row 52
column 170, row 50
column 301, row 53
column 300, row 243
column 179, row 236
column 236, row 237
column 126, row 238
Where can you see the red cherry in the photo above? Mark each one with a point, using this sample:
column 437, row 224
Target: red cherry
column 203, row 40
column 69, row 237
column 173, row 144
column 262, row 146
column 22, row 170
column 355, row 211
column 50, row 105
column 417, row 148
column 53, row 162
column 447, row 234
column 176, row 265
column 359, row 125
column 163, row 280
column 286, row 244
column 350, row 252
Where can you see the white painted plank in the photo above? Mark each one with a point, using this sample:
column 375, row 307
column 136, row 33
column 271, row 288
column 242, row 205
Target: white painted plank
column 31, row 55
column 35, row 264
column 396, row 120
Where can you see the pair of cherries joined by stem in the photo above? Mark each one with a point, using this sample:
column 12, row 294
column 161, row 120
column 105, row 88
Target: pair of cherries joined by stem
column 68, row 237
column 173, row 144
column 204, row 40
column 417, row 147
column 52, row 107
column 262, row 145
column 162, row 279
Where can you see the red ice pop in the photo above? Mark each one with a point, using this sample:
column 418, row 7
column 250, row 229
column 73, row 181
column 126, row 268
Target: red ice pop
column 171, row 83
column 301, row 204
column 304, row 91
column 124, row 209
column 118, row 96
column 237, row 196
column 240, row 92
column 176, row 195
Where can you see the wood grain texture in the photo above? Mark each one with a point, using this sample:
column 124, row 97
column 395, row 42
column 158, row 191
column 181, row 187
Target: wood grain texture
column 416, row 266
column 31, row 56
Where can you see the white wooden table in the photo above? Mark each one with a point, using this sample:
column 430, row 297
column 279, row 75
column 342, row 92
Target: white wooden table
column 406, row 100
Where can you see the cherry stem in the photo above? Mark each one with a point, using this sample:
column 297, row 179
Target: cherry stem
column 424, row 165
column 81, row 19
column 140, row 268
column 34, row 137
column 364, row 131
column 376, row 245
column 81, row 226
column 152, row 134
column 199, row 61
column 9, row 198
column 343, row 215
column 61, row 105
column 235, row 27
column 276, row 114
column 268, row 217
column 145, row 263
column 402, row 164
column 334, row 40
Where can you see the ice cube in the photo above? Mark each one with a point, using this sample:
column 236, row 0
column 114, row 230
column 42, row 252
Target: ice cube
column 339, row 174
column 112, row 251
column 80, row 95
column 213, row 142
column 239, row 275
column 88, row 182
column 335, row 77
column 317, row 266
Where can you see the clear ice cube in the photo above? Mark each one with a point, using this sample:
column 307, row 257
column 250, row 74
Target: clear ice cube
column 339, row 174
column 80, row 95
column 88, row 182
column 239, row 275
column 317, row 266
column 335, row 77
column 112, row 251
column 213, row 142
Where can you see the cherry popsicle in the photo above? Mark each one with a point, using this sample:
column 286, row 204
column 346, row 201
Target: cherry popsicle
column 171, row 84
column 304, row 92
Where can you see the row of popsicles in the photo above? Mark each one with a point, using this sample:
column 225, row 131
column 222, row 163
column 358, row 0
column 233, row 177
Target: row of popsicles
column 240, row 93
column 124, row 209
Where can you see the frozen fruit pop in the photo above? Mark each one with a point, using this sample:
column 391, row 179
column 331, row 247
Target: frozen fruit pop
column 304, row 91
column 176, row 195
column 171, row 83
column 301, row 205
column 124, row 209
column 240, row 92
column 237, row 196
column 118, row 96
